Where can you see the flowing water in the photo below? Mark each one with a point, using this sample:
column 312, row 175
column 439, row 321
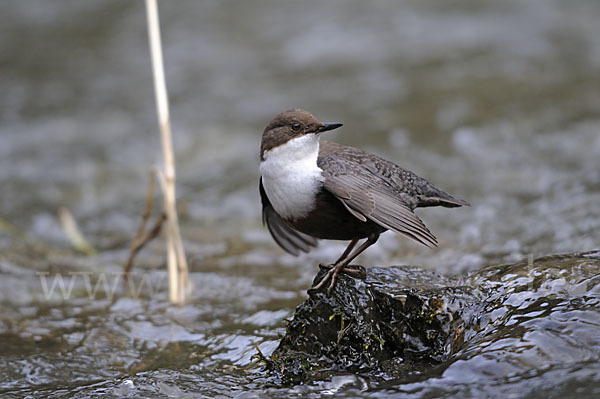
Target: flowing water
column 497, row 102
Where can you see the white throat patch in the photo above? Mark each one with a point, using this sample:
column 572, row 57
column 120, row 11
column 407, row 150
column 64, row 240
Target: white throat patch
column 291, row 177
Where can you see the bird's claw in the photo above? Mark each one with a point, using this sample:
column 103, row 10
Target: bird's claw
column 356, row 271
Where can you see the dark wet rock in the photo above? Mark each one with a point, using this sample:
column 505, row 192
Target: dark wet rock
column 390, row 324
column 403, row 320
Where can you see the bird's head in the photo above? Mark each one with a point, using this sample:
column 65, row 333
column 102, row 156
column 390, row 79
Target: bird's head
column 289, row 125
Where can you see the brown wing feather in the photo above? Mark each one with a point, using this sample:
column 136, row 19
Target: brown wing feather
column 415, row 191
column 368, row 195
column 375, row 201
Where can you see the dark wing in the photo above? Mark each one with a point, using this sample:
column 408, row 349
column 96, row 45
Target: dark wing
column 368, row 196
column 291, row 240
column 376, row 202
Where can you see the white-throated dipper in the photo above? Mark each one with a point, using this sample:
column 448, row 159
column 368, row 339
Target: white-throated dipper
column 324, row 190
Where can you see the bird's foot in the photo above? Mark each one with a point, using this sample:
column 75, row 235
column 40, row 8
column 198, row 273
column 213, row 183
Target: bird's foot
column 324, row 266
column 356, row 271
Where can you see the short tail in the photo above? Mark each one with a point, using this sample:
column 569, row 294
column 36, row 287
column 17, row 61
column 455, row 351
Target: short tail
column 437, row 197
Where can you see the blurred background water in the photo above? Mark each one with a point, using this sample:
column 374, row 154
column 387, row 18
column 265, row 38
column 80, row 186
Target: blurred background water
column 497, row 102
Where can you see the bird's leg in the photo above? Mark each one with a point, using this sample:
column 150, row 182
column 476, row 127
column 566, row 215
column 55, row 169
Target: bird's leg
column 342, row 263
column 349, row 248
column 371, row 239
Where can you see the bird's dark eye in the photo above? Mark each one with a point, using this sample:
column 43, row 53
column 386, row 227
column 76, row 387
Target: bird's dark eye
column 295, row 126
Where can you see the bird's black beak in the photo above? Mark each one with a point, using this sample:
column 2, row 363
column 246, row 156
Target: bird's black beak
column 329, row 126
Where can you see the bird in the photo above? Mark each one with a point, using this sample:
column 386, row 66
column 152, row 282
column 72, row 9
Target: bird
column 313, row 189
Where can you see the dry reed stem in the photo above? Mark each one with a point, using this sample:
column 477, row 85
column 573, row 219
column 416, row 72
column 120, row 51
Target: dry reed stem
column 177, row 263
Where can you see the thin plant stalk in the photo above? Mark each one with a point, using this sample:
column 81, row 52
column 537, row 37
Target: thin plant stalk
column 176, row 260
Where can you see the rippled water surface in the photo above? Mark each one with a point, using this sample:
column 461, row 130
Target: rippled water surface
column 497, row 102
